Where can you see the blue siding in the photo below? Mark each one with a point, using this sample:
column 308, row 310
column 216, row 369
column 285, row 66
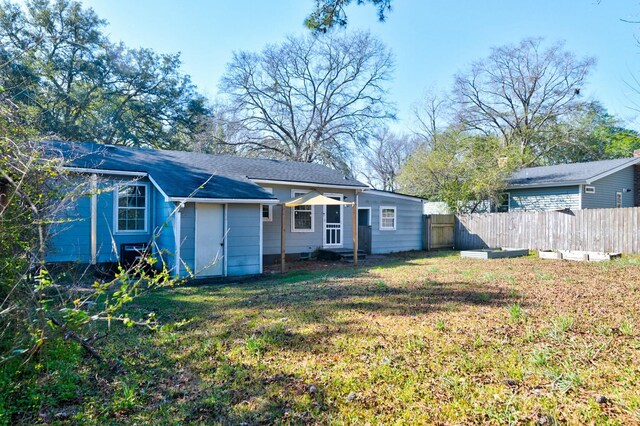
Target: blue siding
column 164, row 232
column 71, row 241
column 553, row 198
column 243, row 239
column 303, row 242
column 109, row 241
column 606, row 188
column 187, row 239
column 408, row 232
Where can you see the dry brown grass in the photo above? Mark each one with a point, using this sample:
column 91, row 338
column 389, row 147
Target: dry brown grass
column 416, row 340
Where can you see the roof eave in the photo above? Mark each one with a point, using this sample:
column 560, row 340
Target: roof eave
column 306, row 184
column 103, row 171
column 395, row 195
column 547, row 185
column 225, row 200
column 635, row 160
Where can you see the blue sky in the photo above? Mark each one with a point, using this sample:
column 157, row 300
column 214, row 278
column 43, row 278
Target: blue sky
column 431, row 40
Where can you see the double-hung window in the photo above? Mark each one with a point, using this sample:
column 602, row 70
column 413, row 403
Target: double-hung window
column 267, row 209
column 387, row 218
column 302, row 216
column 131, row 202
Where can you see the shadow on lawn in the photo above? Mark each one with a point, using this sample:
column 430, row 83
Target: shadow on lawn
column 196, row 378
column 320, row 297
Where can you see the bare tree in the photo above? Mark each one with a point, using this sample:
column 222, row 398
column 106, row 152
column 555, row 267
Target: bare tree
column 431, row 116
column 218, row 132
column 311, row 99
column 385, row 156
column 520, row 89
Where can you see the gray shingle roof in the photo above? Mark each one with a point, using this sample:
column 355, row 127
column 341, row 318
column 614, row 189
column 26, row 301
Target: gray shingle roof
column 179, row 173
column 567, row 174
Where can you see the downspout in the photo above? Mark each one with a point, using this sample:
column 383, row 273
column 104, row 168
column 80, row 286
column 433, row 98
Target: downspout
column 94, row 219
column 177, row 223
column 580, row 195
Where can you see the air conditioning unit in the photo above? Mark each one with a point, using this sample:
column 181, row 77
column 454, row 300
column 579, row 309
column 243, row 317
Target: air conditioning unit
column 132, row 253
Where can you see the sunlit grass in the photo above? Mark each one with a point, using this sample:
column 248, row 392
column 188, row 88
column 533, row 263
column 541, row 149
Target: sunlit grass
column 437, row 340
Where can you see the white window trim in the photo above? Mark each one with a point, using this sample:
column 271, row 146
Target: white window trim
column 324, row 221
column 588, row 189
column 395, row 218
column 116, row 229
column 296, row 193
column 270, row 206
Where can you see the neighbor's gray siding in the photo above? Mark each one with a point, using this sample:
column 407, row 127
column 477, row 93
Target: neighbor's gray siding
column 408, row 232
column 303, row 242
column 243, row 239
column 553, row 198
column 606, row 188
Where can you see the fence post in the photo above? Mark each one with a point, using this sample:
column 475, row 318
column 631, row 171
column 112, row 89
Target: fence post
column 426, row 232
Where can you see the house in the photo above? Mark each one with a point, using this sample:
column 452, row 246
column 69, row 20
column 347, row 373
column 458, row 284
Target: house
column 595, row 184
column 213, row 215
column 393, row 220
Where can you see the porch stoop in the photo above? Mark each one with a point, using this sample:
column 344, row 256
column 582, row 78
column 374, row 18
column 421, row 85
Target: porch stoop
column 339, row 254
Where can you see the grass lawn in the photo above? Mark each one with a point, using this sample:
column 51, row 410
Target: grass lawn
column 415, row 340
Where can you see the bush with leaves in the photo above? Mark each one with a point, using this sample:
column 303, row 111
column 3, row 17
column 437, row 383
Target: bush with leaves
column 48, row 314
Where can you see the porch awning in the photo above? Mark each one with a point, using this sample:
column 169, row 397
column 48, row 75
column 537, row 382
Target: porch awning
column 314, row 198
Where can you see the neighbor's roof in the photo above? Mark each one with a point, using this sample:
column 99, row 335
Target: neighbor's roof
column 568, row 174
column 384, row 193
column 180, row 173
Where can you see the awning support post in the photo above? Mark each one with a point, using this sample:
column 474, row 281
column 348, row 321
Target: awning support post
column 354, row 226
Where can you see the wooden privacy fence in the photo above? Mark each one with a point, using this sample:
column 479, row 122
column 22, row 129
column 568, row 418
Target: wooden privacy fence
column 439, row 231
column 602, row 230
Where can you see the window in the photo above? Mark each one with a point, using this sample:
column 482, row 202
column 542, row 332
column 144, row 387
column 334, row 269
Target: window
column 267, row 209
column 503, row 203
column 387, row 218
column 131, row 208
column 301, row 216
column 589, row 189
column 618, row 200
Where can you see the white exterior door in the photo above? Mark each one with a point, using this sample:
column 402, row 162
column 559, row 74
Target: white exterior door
column 333, row 223
column 209, row 240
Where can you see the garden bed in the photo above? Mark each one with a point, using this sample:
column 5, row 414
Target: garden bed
column 495, row 253
column 581, row 256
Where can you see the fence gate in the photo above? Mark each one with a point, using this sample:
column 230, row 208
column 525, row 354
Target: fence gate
column 440, row 231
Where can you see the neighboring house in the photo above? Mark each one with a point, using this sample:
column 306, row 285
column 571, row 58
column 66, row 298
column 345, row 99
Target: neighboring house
column 595, row 184
column 436, row 207
column 216, row 215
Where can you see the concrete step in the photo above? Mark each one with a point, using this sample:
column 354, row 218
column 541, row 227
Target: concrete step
column 339, row 254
